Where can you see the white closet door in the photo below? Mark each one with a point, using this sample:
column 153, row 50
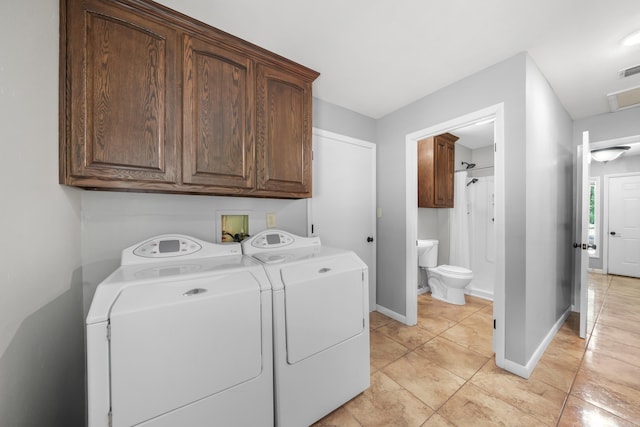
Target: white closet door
column 343, row 207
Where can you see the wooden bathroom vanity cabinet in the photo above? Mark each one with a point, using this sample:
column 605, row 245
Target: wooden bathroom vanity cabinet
column 436, row 157
column 153, row 100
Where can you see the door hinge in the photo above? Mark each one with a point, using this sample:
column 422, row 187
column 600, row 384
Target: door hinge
column 109, row 332
column 110, row 418
column 311, row 228
column 494, row 323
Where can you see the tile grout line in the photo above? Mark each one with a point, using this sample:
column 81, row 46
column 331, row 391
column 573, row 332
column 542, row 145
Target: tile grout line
column 436, row 411
column 412, row 350
column 586, row 347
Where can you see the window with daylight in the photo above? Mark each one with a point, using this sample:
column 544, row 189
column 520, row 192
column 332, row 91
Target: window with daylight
column 594, row 216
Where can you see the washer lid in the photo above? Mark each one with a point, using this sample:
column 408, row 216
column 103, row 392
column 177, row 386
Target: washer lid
column 454, row 269
column 166, row 271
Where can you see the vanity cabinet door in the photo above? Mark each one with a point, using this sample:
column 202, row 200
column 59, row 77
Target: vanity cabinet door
column 218, row 116
column 283, row 144
column 123, row 128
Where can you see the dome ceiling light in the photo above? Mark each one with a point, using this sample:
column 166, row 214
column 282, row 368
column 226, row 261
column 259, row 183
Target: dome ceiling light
column 632, row 39
column 605, row 155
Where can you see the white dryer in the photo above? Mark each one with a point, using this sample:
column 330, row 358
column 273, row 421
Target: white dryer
column 320, row 324
column 181, row 335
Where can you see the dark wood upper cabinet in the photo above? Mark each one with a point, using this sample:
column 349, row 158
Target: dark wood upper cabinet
column 218, row 116
column 152, row 100
column 436, row 157
column 121, row 74
column 284, row 132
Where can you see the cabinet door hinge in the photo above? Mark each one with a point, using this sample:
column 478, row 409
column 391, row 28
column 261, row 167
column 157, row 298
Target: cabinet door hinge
column 494, row 323
column 109, row 332
column 110, row 418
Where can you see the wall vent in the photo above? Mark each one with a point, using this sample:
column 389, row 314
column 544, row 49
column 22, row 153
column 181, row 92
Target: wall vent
column 629, row 71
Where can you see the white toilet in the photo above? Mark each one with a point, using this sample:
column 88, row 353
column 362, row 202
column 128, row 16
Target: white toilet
column 447, row 282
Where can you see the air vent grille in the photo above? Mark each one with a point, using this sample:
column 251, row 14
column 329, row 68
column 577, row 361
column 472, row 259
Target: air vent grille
column 629, row 71
column 624, row 99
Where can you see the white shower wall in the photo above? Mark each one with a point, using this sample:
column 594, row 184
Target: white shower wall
column 482, row 237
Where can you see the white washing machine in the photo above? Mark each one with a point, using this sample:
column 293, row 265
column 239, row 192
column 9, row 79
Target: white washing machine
column 181, row 335
column 320, row 324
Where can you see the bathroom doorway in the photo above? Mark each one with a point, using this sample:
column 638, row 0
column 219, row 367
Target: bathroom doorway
column 496, row 114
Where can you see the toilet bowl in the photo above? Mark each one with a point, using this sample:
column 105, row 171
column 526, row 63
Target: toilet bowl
column 447, row 282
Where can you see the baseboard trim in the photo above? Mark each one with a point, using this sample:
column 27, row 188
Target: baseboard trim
column 479, row 293
column 392, row 314
column 525, row 371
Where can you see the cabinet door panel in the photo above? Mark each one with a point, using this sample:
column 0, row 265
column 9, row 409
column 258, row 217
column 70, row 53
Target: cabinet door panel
column 436, row 156
column 284, row 133
column 442, row 172
column 218, row 120
column 122, row 120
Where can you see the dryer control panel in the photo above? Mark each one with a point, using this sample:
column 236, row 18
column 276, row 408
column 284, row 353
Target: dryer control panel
column 177, row 246
column 277, row 239
column 272, row 240
column 167, row 247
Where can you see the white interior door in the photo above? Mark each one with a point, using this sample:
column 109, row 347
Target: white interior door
column 342, row 211
column 624, row 225
column 584, row 158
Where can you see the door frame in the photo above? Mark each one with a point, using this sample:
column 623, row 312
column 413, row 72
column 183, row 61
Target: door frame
column 605, row 217
column 411, row 210
column 373, row 209
column 580, row 288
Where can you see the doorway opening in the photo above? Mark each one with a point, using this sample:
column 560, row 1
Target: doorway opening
column 583, row 296
column 495, row 112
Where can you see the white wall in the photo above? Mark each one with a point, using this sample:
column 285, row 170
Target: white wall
column 549, row 172
column 501, row 83
column 483, row 157
column 339, row 120
column 41, row 335
column 508, row 82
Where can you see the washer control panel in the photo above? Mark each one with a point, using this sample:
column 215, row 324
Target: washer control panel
column 169, row 246
column 269, row 241
column 272, row 240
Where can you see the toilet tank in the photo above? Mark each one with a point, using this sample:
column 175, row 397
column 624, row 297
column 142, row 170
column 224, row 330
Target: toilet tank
column 430, row 257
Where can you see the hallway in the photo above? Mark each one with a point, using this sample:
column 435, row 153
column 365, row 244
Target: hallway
column 442, row 371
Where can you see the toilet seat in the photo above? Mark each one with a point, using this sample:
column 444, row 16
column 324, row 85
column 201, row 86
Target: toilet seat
column 454, row 271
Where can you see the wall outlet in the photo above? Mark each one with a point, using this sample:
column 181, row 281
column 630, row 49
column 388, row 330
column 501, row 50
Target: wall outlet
column 271, row 220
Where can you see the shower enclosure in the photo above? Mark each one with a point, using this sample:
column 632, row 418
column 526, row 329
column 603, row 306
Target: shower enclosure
column 482, row 239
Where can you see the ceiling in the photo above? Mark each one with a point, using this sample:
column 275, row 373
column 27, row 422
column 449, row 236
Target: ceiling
column 376, row 56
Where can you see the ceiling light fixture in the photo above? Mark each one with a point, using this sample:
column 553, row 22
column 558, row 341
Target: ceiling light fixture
column 632, row 39
column 605, row 155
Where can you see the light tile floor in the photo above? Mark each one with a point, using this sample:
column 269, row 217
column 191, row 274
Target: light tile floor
column 442, row 371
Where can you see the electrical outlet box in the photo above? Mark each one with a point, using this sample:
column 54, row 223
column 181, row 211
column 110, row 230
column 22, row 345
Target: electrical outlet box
column 271, row 220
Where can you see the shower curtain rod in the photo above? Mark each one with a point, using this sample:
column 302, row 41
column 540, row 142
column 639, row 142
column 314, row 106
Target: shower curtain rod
column 475, row 169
